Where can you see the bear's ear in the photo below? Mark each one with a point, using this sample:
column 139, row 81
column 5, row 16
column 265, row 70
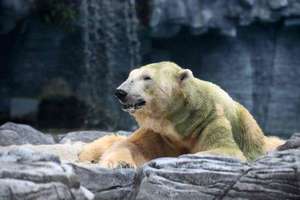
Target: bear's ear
column 185, row 74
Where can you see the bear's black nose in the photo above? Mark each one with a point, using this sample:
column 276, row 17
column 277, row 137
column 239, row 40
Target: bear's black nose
column 121, row 94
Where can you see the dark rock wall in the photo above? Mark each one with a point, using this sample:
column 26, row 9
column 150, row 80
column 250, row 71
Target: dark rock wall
column 39, row 55
column 49, row 64
column 111, row 49
column 200, row 16
column 249, row 47
column 284, row 104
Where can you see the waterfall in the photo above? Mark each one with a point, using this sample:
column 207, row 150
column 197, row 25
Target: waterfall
column 111, row 48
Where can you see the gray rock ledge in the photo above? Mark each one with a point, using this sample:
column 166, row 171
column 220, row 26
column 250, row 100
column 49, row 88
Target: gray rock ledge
column 31, row 174
column 17, row 134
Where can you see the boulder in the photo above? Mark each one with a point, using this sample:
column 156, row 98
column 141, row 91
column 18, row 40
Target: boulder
column 33, row 174
column 88, row 136
column 106, row 184
column 275, row 176
column 24, row 154
column 292, row 143
column 168, row 17
column 25, row 174
column 83, row 136
column 17, row 134
column 66, row 152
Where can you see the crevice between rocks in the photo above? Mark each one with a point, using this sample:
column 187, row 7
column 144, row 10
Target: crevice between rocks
column 227, row 190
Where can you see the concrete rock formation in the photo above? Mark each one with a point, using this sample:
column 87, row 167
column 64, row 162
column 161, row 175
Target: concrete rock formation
column 249, row 47
column 17, row 134
column 168, row 17
column 27, row 173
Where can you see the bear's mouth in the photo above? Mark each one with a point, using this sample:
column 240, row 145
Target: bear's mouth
column 133, row 107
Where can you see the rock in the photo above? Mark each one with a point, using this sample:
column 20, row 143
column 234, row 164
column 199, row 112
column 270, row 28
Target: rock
column 282, row 96
column 292, row 143
column 277, row 4
column 72, row 53
column 13, row 11
column 42, row 178
column 125, row 133
column 12, row 133
column 88, row 136
column 25, row 154
column 66, row 152
column 118, row 37
column 168, row 17
column 107, row 184
column 83, row 136
column 27, row 174
column 275, row 176
column 189, row 177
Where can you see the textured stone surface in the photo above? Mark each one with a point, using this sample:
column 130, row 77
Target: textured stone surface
column 23, row 154
column 12, row 11
column 87, row 136
column 292, row 143
column 107, row 184
column 109, row 27
column 30, row 173
column 92, row 59
column 83, row 136
column 249, row 47
column 275, row 176
column 169, row 16
column 11, row 133
column 66, row 152
column 25, row 174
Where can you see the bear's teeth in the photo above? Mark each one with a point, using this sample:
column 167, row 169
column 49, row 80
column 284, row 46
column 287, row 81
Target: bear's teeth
column 132, row 107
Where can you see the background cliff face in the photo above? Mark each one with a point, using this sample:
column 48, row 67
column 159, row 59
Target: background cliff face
column 67, row 65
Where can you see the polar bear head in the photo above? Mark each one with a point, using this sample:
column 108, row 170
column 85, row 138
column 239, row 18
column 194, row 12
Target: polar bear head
column 153, row 89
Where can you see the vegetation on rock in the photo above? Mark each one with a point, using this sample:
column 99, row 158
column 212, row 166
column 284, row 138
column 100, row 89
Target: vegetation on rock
column 59, row 12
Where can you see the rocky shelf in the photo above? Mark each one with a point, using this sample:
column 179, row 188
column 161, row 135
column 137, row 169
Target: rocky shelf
column 168, row 17
column 40, row 171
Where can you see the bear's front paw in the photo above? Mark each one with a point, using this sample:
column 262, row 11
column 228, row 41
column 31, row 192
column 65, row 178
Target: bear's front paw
column 116, row 164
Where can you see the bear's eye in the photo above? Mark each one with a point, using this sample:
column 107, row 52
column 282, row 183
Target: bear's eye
column 146, row 78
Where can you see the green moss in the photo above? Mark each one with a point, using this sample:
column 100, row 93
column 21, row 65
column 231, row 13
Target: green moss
column 59, row 12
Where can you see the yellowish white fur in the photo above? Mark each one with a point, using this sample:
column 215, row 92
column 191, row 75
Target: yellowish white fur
column 181, row 114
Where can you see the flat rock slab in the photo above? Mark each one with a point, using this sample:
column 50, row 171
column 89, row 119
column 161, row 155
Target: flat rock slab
column 275, row 176
column 292, row 143
column 25, row 174
column 18, row 134
column 108, row 184
column 65, row 152
column 51, row 172
column 87, row 136
column 167, row 17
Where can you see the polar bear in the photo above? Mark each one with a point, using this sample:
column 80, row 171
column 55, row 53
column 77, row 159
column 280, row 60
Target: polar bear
column 178, row 114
